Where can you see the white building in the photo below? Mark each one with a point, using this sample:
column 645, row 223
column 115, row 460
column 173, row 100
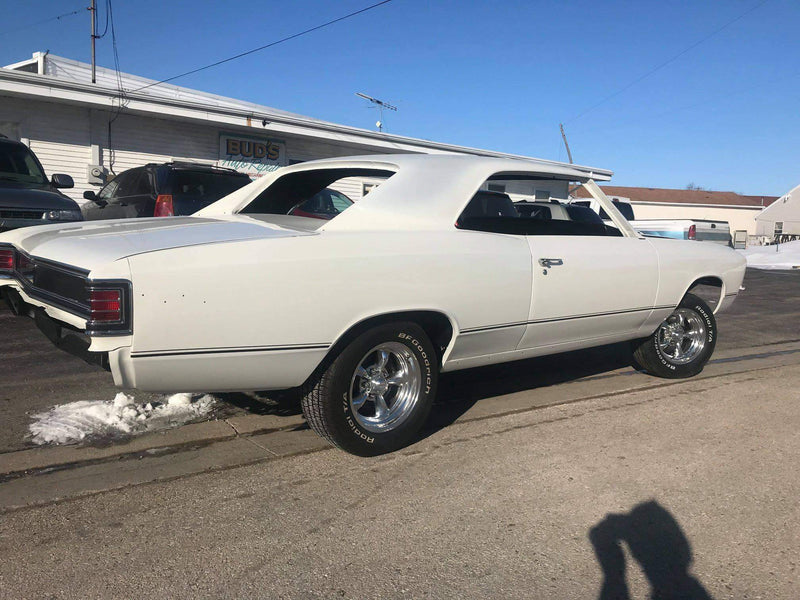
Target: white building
column 92, row 131
column 780, row 221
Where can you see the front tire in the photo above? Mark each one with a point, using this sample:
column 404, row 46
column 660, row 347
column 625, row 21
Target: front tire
column 376, row 394
column 682, row 344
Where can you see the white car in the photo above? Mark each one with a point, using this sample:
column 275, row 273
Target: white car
column 362, row 312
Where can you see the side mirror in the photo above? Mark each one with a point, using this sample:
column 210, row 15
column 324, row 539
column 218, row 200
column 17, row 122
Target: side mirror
column 89, row 195
column 60, row 180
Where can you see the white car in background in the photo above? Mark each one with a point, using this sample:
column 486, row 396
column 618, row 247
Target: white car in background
column 363, row 311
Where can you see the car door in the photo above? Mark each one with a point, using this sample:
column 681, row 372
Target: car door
column 587, row 289
column 96, row 209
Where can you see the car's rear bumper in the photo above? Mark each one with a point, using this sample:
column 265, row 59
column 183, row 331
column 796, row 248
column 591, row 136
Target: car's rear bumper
column 62, row 334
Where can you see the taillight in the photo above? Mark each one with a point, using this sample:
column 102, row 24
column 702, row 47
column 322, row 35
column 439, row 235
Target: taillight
column 105, row 306
column 6, row 259
column 164, row 206
column 692, row 232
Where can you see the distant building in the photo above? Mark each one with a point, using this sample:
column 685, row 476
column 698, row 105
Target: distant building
column 780, row 221
column 660, row 203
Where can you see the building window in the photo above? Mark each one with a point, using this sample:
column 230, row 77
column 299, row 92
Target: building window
column 497, row 187
column 778, row 227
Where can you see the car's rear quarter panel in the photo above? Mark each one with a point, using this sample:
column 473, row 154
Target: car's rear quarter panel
column 208, row 317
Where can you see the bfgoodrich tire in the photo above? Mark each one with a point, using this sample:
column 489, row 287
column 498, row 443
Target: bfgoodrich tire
column 682, row 344
column 376, row 394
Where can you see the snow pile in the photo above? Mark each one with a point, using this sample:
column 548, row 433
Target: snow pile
column 780, row 256
column 76, row 421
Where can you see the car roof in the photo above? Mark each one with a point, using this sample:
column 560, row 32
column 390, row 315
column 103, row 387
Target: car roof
column 427, row 191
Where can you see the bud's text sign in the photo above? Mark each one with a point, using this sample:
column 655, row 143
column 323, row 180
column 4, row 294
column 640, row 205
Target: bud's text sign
column 254, row 156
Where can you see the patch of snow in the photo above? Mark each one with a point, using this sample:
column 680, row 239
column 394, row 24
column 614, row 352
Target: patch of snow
column 85, row 419
column 780, row 256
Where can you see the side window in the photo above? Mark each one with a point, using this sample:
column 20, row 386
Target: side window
column 340, row 201
column 493, row 212
column 110, row 190
column 129, row 182
column 141, row 186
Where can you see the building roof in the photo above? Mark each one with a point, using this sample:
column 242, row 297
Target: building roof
column 672, row 196
column 57, row 79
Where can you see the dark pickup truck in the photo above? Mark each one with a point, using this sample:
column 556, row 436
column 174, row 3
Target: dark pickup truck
column 27, row 197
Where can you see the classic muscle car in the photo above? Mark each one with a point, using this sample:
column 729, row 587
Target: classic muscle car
column 430, row 272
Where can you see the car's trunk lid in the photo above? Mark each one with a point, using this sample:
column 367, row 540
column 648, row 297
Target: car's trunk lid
column 90, row 244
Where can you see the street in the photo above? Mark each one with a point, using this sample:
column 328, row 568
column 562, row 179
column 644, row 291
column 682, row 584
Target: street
column 499, row 507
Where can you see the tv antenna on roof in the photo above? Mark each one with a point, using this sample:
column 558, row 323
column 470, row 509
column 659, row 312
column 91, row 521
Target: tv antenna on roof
column 380, row 104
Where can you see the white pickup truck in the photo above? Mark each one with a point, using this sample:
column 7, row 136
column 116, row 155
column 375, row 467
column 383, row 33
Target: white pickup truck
column 700, row 230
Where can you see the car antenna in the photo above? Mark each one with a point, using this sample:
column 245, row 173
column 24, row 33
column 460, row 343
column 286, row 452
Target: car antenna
column 381, row 105
column 564, row 137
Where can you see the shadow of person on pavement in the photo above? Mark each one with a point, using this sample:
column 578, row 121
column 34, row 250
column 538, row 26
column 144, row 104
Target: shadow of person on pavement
column 656, row 541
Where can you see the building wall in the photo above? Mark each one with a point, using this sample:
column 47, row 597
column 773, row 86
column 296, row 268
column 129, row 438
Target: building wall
column 68, row 139
column 785, row 210
column 59, row 135
column 738, row 218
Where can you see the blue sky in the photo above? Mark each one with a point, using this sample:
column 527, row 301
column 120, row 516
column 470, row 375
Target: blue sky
column 499, row 75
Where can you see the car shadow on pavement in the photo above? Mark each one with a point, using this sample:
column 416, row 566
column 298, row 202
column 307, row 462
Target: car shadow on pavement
column 656, row 541
column 262, row 403
column 461, row 390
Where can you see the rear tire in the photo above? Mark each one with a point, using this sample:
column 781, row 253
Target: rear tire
column 682, row 344
column 376, row 394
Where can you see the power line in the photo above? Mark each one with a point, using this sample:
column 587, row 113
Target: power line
column 270, row 45
column 58, row 18
column 669, row 61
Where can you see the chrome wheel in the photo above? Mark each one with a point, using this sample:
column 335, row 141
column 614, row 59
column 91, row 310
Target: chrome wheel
column 385, row 387
column 682, row 337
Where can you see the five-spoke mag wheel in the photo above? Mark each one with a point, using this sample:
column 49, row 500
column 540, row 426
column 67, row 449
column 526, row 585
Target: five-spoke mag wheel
column 375, row 395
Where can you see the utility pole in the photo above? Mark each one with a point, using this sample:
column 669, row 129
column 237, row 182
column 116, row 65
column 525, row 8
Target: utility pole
column 564, row 137
column 93, row 12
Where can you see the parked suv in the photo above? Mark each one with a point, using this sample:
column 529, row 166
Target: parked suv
column 27, row 197
column 162, row 190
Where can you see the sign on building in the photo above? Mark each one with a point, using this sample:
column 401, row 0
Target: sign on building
column 252, row 155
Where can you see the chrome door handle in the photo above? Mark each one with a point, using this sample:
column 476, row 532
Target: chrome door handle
column 550, row 262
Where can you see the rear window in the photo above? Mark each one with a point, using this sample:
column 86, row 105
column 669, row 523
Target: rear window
column 205, row 186
column 295, row 192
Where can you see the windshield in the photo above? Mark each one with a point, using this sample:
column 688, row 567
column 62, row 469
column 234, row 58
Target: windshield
column 17, row 163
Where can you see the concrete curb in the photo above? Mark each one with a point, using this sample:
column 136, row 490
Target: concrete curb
column 37, row 459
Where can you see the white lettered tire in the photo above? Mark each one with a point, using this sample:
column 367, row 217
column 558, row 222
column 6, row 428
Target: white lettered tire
column 682, row 344
column 376, row 394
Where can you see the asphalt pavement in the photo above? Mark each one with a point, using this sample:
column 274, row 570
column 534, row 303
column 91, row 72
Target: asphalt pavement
column 688, row 490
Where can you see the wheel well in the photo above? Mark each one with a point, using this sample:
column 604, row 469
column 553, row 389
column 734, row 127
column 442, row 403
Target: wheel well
column 435, row 324
column 708, row 281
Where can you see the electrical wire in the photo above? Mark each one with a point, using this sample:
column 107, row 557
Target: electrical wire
column 667, row 62
column 264, row 47
column 58, row 18
column 105, row 30
column 121, row 96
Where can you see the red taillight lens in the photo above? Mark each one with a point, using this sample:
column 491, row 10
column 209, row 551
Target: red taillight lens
column 692, row 232
column 6, row 259
column 105, row 305
column 164, row 206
